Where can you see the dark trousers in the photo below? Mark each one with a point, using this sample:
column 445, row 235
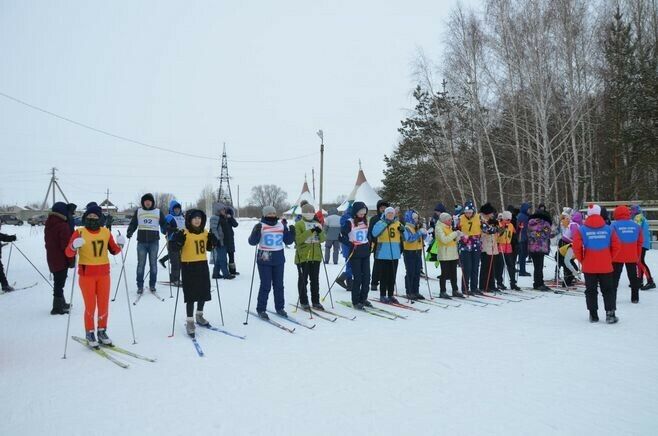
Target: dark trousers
column 309, row 271
column 174, row 263
column 412, row 262
column 487, row 272
column 470, row 263
column 538, row 269
column 388, row 270
column 361, row 278
column 59, row 279
column 505, row 262
column 448, row 272
column 189, row 307
column 631, row 273
column 376, row 272
column 522, row 252
column 607, row 283
column 231, row 262
column 271, row 276
column 3, row 277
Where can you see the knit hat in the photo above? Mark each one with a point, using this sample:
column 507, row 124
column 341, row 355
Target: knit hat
column 458, row 209
column 440, row 208
column 268, row 210
column 487, row 208
column 594, row 209
column 60, row 208
column 635, row 209
column 308, row 208
column 445, row 218
column 96, row 210
column 381, row 203
column 469, row 207
column 389, row 210
column 567, row 211
column 577, row 217
column 507, row 215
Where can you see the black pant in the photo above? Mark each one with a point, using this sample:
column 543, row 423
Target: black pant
column 376, row 272
column 506, row 261
column 361, row 278
column 3, row 277
column 607, row 283
column 413, row 259
column 486, row 272
column 538, row 269
column 448, row 272
column 388, row 270
column 59, row 279
column 309, row 271
column 231, row 262
column 189, row 307
column 631, row 273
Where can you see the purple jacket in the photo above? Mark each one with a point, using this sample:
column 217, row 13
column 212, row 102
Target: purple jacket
column 539, row 233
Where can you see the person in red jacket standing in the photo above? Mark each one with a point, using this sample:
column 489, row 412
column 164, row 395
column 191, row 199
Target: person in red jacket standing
column 594, row 244
column 630, row 249
column 57, row 233
column 91, row 243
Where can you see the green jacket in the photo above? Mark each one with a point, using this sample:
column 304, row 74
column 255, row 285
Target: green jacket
column 307, row 242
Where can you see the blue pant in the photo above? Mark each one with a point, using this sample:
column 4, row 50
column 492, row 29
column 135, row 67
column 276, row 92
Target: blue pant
column 522, row 251
column 150, row 249
column 412, row 262
column 361, row 270
column 271, row 276
column 470, row 261
column 345, row 250
column 221, row 263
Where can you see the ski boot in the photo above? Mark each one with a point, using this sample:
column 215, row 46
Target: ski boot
column 593, row 316
column 7, row 288
column 263, row 315
column 318, row 306
column 153, row 289
column 514, row 287
column 304, row 306
column 201, row 320
column 393, row 300
column 412, row 297
column 367, row 304
column 502, row 287
column 140, row 291
column 358, row 306
column 162, row 262
column 231, row 269
column 91, row 339
column 419, row 296
column 445, row 295
column 384, row 299
column 190, row 327
column 610, row 317
column 282, row 313
column 103, row 338
column 340, row 281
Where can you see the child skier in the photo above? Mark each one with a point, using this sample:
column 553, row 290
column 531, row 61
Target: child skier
column 175, row 222
column 270, row 235
column 469, row 248
column 446, row 253
column 505, row 258
column 308, row 255
column 489, row 240
column 193, row 242
column 413, row 254
column 91, row 243
column 6, row 287
column 354, row 235
column 539, row 233
column 57, row 234
column 389, row 233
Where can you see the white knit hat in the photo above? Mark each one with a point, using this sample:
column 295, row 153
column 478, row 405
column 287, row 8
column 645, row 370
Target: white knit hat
column 594, row 209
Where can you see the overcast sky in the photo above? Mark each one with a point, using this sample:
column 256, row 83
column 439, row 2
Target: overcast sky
column 262, row 76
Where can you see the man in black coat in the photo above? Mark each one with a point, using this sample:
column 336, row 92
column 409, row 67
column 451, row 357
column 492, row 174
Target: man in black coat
column 228, row 223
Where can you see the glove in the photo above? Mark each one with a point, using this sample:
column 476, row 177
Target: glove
column 12, row 238
column 317, row 230
column 259, row 227
column 284, row 222
column 121, row 241
column 401, row 228
column 77, row 243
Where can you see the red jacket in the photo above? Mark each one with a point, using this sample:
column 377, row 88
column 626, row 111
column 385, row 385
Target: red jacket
column 56, row 235
column 630, row 237
column 593, row 245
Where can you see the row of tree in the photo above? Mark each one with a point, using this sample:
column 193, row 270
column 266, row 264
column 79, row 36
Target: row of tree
column 551, row 101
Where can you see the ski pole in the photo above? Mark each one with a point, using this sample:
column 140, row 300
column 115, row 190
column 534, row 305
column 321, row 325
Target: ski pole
column 9, row 259
column 30, row 262
column 68, row 321
column 251, row 287
column 427, row 271
column 326, row 274
column 171, row 295
column 123, row 267
column 173, row 323
column 339, row 273
column 130, row 312
column 148, row 272
column 219, row 300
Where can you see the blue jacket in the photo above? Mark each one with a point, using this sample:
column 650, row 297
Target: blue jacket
column 641, row 220
column 271, row 258
column 388, row 250
column 522, row 222
column 172, row 226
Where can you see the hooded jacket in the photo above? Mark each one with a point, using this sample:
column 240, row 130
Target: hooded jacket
column 594, row 244
column 629, row 234
column 142, row 234
column 641, row 220
column 522, row 222
column 228, row 222
column 539, row 232
column 446, row 242
column 215, row 227
column 308, row 246
column 359, row 250
column 56, row 235
column 174, row 221
column 414, row 235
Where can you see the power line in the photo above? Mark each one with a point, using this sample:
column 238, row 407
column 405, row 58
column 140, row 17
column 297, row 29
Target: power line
column 134, row 141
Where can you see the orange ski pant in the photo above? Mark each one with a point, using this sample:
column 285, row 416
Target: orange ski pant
column 96, row 293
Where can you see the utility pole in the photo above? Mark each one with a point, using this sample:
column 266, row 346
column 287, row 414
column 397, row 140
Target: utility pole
column 52, row 186
column 321, row 135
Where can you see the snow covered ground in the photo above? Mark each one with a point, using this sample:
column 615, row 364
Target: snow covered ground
column 533, row 367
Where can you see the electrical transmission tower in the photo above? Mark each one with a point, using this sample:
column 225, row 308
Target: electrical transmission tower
column 224, row 191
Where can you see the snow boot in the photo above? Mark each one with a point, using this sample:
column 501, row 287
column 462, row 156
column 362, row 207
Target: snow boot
column 103, row 338
column 610, row 317
column 162, row 262
column 91, row 339
column 231, row 269
column 593, row 316
column 367, row 304
column 393, row 300
column 445, row 295
column 7, row 288
column 419, row 297
column 190, row 327
column 305, row 306
column 649, row 285
column 502, row 287
column 201, row 320
column 140, row 291
column 58, row 306
column 384, row 299
column 635, row 296
column 340, row 281
column 263, row 315
column 514, row 287
column 318, row 306
column 358, row 306
column 411, row 297
column 282, row 313
column 153, row 289
column 457, row 294
column 229, row 277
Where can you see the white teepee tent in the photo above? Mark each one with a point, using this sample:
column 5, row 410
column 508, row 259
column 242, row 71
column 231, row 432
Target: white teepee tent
column 362, row 192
